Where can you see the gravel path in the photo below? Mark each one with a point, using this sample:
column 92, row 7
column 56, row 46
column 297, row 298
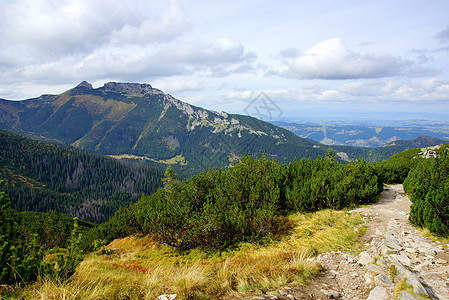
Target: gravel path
column 397, row 262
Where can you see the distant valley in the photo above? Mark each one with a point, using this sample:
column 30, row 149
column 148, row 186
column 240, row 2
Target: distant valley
column 365, row 135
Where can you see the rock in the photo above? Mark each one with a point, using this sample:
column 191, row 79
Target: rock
column 441, row 261
column 411, row 250
column 368, row 279
column 407, row 296
column 365, row 258
column 379, row 293
column 402, row 258
column 330, row 294
column 444, row 270
column 421, row 267
column 402, row 270
column 383, row 280
column 384, row 250
column 85, row 84
column 375, row 269
column 390, row 243
column 291, row 297
column 422, row 250
column 167, row 297
column 129, row 88
column 417, row 285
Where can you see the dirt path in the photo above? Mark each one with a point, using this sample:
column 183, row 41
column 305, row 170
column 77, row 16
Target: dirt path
column 394, row 255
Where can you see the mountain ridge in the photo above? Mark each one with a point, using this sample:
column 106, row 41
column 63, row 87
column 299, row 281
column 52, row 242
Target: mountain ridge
column 139, row 120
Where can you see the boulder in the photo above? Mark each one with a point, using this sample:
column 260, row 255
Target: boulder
column 383, row 280
column 379, row 293
column 365, row 258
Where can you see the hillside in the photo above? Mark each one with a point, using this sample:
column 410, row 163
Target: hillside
column 137, row 121
column 41, row 177
column 366, row 135
column 386, row 151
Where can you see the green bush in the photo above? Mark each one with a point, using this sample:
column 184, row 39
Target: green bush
column 428, row 188
column 216, row 209
column 397, row 167
column 22, row 260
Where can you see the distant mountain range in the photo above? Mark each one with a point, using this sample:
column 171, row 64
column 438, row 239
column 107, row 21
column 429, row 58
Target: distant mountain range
column 364, row 135
column 138, row 122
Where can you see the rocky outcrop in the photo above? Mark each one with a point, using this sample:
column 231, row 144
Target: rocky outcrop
column 429, row 152
column 130, row 88
column 85, row 84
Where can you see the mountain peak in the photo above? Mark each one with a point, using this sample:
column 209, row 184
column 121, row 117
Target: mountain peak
column 85, row 84
column 130, row 88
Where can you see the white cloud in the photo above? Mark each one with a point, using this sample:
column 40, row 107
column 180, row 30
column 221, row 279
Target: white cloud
column 331, row 59
column 224, row 50
column 165, row 27
column 177, row 85
column 46, row 31
column 380, row 91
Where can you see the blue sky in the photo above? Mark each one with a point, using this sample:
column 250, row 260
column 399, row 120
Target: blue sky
column 312, row 58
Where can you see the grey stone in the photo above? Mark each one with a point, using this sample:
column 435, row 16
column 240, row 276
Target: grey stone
column 383, row 280
column 384, row 250
column 375, row 269
column 411, row 250
column 402, row 270
column 402, row 258
column 421, row 267
column 379, row 293
column 368, row 278
column 291, row 297
column 407, row 296
column 390, row 243
column 365, row 258
column 418, row 287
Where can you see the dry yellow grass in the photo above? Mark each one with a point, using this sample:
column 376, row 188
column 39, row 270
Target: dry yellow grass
column 138, row 268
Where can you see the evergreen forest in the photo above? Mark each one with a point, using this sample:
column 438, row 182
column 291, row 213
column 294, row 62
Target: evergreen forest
column 41, row 177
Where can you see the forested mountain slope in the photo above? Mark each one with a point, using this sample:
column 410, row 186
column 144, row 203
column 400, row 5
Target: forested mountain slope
column 41, row 177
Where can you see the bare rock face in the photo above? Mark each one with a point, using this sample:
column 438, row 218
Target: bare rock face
column 85, row 84
column 130, row 88
column 429, row 152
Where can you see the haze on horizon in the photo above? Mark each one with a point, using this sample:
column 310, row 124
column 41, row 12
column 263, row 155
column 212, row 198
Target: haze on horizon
column 350, row 59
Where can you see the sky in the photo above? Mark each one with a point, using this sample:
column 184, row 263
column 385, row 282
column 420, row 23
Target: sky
column 307, row 58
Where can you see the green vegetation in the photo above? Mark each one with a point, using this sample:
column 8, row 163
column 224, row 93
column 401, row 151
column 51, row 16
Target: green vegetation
column 249, row 227
column 42, row 177
column 243, row 203
column 428, row 188
column 23, row 259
